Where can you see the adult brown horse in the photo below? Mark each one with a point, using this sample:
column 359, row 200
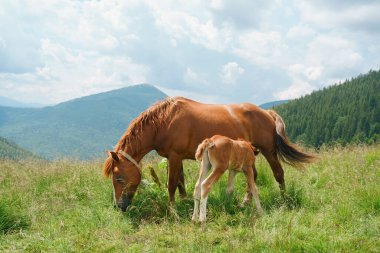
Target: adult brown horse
column 175, row 127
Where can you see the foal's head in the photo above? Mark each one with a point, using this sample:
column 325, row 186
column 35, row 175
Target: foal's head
column 126, row 177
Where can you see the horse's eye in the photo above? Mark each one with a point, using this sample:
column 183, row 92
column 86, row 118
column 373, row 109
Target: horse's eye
column 120, row 179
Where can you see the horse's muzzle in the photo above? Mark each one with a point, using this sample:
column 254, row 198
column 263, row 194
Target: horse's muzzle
column 124, row 203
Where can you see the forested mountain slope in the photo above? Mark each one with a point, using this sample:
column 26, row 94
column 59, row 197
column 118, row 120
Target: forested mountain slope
column 343, row 113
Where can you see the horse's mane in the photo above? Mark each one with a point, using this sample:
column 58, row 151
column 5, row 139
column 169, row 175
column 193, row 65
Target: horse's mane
column 155, row 116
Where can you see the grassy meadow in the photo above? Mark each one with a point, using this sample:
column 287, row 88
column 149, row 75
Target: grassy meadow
column 66, row 206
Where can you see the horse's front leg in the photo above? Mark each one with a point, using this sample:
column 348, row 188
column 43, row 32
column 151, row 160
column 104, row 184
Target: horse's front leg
column 175, row 164
column 181, row 184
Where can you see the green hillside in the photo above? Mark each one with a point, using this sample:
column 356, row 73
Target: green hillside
column 80, row 128
column 343, row 113
column 9, row 150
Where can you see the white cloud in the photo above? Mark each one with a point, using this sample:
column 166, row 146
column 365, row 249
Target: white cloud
column 204, row 97
column 231, row 71
column 297, row 89
column 68, row 73
column 192, row 78
column 327, row 58
column 3, row 45
column 302, row 78
column 64, row 49
column 182, row 26
column 240, row 14
column 336, row 54
column 261, row 48
column 359, row 15
column 300, row 30
column 308, row 73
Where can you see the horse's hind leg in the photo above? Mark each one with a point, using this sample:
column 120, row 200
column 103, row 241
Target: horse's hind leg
column 277, row 170
column 205, row 189
column 197, row 189
column 181, row 183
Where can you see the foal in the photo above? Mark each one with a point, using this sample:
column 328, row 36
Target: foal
column 223, row 153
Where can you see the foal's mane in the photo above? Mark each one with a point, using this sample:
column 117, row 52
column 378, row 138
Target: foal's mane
column 155, row 116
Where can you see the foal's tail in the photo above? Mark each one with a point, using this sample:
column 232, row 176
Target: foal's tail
column 287, row 151
column 203, row 147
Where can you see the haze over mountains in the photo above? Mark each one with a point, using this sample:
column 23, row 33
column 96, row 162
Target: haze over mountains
column 84, row 128
column 5, row 101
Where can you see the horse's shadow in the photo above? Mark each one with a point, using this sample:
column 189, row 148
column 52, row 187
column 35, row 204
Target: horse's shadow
column 151, row 206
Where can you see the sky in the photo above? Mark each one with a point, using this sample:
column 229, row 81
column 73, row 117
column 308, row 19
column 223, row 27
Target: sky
column 213, row 51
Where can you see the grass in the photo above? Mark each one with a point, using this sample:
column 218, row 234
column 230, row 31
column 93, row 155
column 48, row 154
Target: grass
column 66, row 206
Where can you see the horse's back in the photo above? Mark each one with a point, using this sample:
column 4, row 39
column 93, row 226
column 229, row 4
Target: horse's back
column 191, row 122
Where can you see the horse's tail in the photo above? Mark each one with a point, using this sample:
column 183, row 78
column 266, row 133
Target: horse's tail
column 202, row 148
column 287, row 151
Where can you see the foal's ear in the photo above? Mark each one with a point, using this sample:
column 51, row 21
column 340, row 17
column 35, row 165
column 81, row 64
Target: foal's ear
column 113, row 155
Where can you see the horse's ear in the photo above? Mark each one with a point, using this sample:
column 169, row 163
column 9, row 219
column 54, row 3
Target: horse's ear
column 113, row 155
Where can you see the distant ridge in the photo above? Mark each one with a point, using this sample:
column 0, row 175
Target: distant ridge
column 273, row 104
column 82, row 128
column 342, row 113
column 9, row 150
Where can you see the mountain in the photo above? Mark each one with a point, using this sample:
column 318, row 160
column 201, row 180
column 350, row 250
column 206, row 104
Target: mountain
column 272, row 104
column 342, row 113
column 82, row 128
column 9, row 150
column 5, row 101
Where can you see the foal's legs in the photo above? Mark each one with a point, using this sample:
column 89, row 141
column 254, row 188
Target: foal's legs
column 251, row 182
column 248, row 194
column 205, row 189
column 231, row 177
column 197, row 190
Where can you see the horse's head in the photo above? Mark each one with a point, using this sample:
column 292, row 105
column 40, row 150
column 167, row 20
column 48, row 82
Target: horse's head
column 126, row 177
